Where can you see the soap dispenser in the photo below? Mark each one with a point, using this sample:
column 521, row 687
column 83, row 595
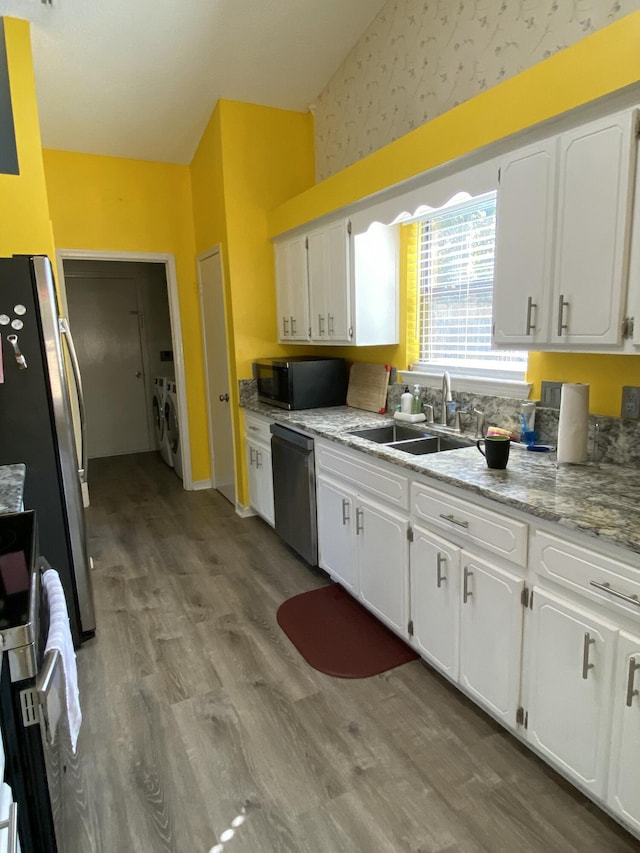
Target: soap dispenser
column 406, row 401
column 416, row 402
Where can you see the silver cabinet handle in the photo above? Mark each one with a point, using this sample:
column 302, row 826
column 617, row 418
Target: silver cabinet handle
column 562, row 304
column 440, row 560
column 254, row 429
column 460, row 522
column 12, row 824
column 258, row 459
column 65, row 334
column 466, row 594
column 320, row 322
column 606, row 587
column 293, row 326
column 285, row 327
column 345, row 511
column 633, row 666
column 586, row 666
column 330, row 324
column 252, row 451
column 530, row 306
column 359, row 521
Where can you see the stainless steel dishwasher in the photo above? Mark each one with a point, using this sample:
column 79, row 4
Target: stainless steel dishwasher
column 294, row 491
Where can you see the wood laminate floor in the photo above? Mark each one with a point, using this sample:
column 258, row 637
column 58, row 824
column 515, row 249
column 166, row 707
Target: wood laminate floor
column 197, row 709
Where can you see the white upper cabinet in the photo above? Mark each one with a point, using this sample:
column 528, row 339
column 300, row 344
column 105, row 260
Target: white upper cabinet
column 328, row 258
column 337, row 288
column 524, row 245
column 291, row 290
column 563, row 235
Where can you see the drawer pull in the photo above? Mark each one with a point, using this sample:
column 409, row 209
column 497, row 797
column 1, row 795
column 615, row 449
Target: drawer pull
column 460, row 522
column 633, row 666
column 359, row 521
column 466, row 594
column 606, row 587
column 345, row 511
column 586, row 666
column 440, row 560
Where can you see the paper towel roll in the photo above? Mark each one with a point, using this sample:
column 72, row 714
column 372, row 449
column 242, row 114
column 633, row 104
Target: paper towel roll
column 573, row 425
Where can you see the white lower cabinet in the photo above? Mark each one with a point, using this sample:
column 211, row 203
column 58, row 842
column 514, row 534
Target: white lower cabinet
column 383, row 559
column 435, row 599
column 491, row 636
column 364, row 546
column 571, row 654
column 336, row 532
column 624, row 775
column 259, row 468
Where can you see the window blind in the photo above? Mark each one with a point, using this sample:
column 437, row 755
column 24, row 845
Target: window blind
column 455, row 288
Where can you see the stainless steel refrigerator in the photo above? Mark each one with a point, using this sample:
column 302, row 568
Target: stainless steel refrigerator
column 36, row 425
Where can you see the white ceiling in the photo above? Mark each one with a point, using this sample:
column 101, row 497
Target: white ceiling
column 140, row 78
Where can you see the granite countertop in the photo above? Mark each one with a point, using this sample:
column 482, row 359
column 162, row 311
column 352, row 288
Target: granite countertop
column 600, row 501
column 11, row 487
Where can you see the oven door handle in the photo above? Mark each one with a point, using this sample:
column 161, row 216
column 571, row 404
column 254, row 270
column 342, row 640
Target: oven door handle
column 12, row 825
column 44, row 680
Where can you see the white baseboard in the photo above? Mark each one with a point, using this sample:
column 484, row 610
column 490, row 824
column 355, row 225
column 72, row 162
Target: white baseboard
column 200, row 485
column 245, row 511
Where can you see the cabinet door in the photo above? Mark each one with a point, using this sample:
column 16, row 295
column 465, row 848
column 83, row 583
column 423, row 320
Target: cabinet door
column 264, row 480
column 435, row 599
column 624, row 775
column 336, row 533
column 570, row 661
column 491, row 636
column 383, row 559
column 292, row 290
column 596, row 176
column 524, row 245
column 329, row 283
column 252, row 471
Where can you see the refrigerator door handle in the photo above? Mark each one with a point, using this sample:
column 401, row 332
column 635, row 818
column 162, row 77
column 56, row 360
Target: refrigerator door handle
column 65, row 333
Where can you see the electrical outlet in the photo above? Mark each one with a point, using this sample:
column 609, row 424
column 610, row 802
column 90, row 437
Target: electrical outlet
column 550, row 393
column 630, row 402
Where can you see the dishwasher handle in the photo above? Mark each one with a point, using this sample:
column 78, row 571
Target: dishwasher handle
column 291, row 436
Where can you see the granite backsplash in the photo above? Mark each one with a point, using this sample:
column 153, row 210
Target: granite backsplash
column 614, row 441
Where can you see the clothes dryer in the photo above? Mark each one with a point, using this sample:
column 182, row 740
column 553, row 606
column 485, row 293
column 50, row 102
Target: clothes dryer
column 172, row 427
column 160, row 384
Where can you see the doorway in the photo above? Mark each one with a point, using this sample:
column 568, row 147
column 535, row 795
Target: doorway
column 216, row 366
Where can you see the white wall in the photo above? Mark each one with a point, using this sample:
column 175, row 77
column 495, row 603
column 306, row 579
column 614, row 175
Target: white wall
column 419, row 58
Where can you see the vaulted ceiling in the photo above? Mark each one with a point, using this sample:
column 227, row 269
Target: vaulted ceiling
column 140, row 78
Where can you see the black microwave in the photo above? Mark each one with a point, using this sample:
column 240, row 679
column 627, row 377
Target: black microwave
column 301, row 382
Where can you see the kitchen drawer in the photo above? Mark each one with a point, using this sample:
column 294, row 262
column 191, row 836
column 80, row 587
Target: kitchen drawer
column 496, row 532
column 373, row 477
column 257, row 427
column 579, row 568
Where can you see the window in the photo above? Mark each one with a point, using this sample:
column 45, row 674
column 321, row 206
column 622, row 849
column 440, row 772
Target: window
column 454, row 275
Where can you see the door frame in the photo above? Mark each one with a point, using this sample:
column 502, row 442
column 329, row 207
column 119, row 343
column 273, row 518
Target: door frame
column 214, row 250
column 169, row 262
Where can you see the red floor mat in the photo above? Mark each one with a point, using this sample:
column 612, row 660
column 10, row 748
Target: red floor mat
column 336, row 635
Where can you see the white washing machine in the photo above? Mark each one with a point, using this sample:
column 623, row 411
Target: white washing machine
column 172, row 427
column 160, row 384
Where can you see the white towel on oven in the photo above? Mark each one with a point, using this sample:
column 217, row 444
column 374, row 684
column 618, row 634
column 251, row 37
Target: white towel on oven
column 59, row 638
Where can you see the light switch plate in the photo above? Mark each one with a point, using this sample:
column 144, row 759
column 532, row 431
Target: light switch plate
column 630, row 402
column 550, row 394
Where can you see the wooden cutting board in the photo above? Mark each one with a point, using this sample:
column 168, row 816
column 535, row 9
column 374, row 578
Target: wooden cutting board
column 368, row 385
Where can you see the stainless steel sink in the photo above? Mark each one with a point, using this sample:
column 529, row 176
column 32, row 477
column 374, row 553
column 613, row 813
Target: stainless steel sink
column 387, row 434
column 410, row 440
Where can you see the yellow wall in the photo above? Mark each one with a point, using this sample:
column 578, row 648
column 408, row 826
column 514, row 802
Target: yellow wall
column 113, row 204
column 24, row 211
column 600, row 64
column 250, row 159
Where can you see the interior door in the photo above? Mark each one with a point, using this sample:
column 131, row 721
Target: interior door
column 214, row 339
column 105, row 320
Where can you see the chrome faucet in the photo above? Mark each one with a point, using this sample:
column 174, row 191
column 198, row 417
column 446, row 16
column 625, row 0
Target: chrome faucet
column 446, row 397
